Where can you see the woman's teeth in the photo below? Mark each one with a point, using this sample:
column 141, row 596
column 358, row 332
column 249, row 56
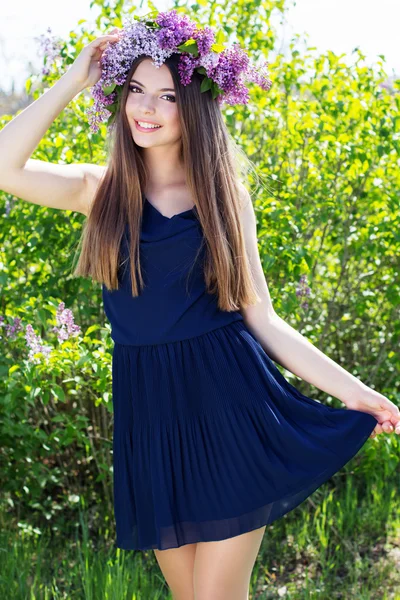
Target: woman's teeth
column 148, row 126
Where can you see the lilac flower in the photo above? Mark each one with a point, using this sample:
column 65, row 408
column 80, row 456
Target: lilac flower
column 66, row 329
column 205, row 38
column 50, row 48
column 209, row 62
column 259, row 75
column 303, row 290
column 65, row 321
column 35, row 344
column 10, row 201
column 175, row 29
column 11, row 330
column 186, row 66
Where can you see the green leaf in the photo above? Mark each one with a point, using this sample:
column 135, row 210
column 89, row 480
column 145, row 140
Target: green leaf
column 58, row 418
column 205, row 84
column 217, row 47
column 58, row 392
column 189, row 46
column 220, row 37
column 46, row 397
column 112, row 107
column 42, row 314
column 94, row 327
column 109, row 90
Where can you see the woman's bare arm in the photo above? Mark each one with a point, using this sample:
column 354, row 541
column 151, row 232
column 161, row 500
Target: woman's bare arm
column 67, row 187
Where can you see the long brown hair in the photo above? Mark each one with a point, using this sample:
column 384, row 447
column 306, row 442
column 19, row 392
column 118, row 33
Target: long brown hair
column 212, row 162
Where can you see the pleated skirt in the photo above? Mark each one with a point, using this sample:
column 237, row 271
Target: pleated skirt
column 211, row 441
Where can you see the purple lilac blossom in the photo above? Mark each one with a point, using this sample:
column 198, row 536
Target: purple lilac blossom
column 303, row 290
column 205, row 38
column 35, row 344
column 10, row 201
column 65, row 321
column 11, row 330
column 66, row 329
column 175, row 29
column 49, row 47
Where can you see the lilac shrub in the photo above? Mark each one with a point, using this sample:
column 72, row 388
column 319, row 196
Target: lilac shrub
column 55, row 416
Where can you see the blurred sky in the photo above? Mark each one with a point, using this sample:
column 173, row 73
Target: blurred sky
column 338, row 25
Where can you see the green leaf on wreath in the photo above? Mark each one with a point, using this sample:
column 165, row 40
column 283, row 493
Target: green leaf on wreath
column 205, row 84
column 112, row 107
column 108, row 89
column 217, row 47
column 189, row 46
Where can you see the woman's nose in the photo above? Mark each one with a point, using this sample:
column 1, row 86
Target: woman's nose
column 147, row 106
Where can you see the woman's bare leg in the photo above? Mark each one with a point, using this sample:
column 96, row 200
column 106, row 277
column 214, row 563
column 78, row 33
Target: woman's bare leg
column 222, row 569
column 177, row 565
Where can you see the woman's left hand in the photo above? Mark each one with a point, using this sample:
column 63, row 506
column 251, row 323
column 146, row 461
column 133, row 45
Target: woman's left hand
column 385, row 412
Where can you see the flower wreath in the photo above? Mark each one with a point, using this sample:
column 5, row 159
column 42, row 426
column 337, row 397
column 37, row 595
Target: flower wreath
column 159, row 35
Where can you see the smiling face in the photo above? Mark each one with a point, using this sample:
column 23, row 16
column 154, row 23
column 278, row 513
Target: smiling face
column 152, row 98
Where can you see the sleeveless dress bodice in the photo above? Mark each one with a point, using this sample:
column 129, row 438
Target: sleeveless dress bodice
column 174, row 303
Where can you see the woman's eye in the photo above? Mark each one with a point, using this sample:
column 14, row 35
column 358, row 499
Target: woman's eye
column 134, row 87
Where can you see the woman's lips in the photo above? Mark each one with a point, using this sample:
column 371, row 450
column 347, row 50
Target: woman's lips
column 145, row 130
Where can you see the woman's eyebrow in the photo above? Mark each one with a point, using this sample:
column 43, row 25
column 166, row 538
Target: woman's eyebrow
column 160, row 90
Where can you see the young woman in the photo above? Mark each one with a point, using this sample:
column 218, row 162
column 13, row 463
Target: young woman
column 211, row 443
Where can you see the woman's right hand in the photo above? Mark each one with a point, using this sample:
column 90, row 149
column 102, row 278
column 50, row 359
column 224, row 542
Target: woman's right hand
column 86, row 69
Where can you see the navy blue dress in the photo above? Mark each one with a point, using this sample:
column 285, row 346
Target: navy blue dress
column 210, row 440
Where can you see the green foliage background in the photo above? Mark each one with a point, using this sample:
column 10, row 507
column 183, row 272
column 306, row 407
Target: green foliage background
column 326, row 144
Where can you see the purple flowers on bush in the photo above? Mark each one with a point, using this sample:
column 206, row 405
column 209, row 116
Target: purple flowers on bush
column 12, row 329
column 65, row 320
column 35, row 344
column 65, row 329
column 50, row 47
column 303, row 290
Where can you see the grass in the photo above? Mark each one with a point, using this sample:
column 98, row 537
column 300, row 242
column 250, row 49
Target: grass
column 340, row 543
